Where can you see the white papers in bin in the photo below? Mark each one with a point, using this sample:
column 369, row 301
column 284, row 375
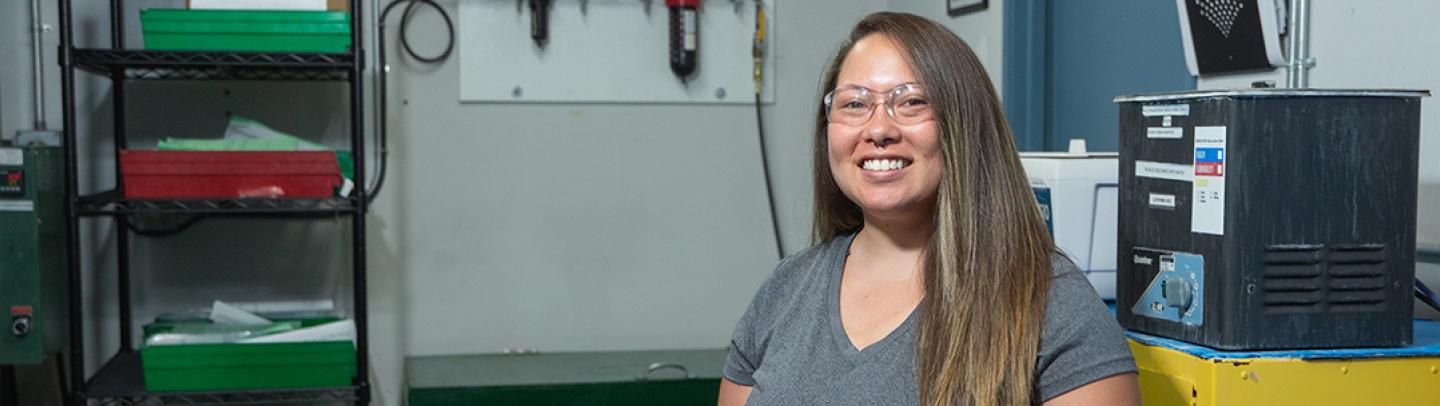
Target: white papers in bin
column 343, row 330
column 222, row 313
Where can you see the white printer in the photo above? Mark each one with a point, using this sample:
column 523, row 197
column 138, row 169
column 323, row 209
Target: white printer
column 1078, row 193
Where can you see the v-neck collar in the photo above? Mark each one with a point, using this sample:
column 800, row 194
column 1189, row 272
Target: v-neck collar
column 832, row 308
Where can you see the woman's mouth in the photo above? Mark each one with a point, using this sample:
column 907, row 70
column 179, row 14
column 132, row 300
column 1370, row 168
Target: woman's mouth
column 883, row 165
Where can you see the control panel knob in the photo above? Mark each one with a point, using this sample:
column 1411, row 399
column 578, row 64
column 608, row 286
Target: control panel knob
column 20, row 325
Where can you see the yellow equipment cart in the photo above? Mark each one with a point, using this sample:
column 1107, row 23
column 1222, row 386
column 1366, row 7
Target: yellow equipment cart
column 1178, row 373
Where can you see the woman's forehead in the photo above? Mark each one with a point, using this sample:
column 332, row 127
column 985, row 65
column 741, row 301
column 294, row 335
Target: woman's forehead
column 875, row 62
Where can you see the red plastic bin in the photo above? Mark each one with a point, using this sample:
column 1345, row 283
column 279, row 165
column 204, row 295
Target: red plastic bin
column 229, row 174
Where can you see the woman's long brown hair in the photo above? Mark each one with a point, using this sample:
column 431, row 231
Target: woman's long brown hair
column 987, row 264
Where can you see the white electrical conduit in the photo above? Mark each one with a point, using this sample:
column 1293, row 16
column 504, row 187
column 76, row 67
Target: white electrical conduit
column 1297, row 73
column 37, row 55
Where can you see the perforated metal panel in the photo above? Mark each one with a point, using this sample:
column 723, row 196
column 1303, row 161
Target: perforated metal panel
column 1221, row 13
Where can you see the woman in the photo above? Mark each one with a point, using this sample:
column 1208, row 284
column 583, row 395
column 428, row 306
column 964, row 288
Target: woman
column 935, row 280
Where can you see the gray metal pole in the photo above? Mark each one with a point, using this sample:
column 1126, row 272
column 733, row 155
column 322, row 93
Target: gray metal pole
column 37, row 56
column 1297, row 73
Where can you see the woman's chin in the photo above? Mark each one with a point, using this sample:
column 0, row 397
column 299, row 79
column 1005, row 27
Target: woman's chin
column 890, row 209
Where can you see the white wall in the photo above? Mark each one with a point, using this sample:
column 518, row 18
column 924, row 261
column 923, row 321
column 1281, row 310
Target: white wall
column 589, row 227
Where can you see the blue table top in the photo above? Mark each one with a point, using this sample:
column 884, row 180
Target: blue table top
column 1426, row 344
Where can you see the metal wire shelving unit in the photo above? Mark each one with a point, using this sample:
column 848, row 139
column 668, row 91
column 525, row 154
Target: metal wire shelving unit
column 120, row 380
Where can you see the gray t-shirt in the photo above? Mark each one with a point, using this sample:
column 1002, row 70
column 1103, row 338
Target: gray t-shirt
column 791, row 348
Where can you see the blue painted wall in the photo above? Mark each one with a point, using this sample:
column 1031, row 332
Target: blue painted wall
column 1066, row 60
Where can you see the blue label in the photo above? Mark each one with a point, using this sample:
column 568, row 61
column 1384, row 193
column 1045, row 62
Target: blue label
column 1042, row 196
column 1216, row 155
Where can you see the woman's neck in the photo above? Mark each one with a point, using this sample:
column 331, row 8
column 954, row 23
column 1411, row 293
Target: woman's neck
column 897, row 232
column 896, row 241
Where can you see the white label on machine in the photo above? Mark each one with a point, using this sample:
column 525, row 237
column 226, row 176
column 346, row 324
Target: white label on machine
column 1162, row 170
column 1159, row 200
column 1166, row 110
column 1165, row 133
column 12, row 156
column 1207, row 215
column 17, row 205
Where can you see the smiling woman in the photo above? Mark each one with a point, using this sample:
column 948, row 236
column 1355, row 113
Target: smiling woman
column 933, row 280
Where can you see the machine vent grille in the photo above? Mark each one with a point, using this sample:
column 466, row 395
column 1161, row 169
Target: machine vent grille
column 1309, row 278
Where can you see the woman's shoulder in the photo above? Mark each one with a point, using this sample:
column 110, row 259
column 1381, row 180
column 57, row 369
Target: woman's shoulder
column 1062, row 266
column 810, row 264
column 1069, row 288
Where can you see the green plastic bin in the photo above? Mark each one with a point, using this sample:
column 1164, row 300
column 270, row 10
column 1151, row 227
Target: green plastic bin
column 246, row 30
column 217, row 367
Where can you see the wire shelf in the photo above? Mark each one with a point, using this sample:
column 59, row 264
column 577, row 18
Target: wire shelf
column 121, row 382
column 113, row 203
column 188, row 65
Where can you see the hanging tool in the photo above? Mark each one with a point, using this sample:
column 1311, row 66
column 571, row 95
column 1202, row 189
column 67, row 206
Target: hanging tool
column 539, row 21
column 684, row 36
column 757, row 46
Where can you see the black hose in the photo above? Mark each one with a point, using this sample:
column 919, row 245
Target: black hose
column 405, row 23
column 382, row 137
column 769, row 188
column 1426, row 295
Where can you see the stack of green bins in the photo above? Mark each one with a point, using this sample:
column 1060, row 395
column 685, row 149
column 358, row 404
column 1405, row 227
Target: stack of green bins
column 220, row 367
column 246, row 30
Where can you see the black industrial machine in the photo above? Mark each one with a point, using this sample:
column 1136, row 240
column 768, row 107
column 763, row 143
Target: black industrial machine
column 1269, row 218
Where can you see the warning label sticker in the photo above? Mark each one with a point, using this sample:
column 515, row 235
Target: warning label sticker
column 1152, row 110
column 1163, row 201
column 1171, row 133
column 1208, row 213
column 1162, row 170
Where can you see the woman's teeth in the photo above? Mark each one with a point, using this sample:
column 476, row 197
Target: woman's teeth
column 883, row 164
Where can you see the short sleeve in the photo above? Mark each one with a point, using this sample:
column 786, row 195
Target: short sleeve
column 1081, row 342
column 746, row 350
column 747, row 344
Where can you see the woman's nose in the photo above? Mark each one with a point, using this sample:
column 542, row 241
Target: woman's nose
column 881, row 130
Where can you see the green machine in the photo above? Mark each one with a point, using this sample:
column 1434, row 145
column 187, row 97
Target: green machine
column 567, row 379
column 33, row 304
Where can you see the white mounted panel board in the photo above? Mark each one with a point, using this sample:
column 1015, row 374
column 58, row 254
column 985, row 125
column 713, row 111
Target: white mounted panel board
column 607, row 51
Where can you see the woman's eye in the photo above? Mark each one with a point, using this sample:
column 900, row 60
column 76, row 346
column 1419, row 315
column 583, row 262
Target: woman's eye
column 914, row 102
column 853, row 104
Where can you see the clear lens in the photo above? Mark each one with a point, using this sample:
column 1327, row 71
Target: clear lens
column 854, row 106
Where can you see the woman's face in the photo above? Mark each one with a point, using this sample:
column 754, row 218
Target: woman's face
column 865, row 153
